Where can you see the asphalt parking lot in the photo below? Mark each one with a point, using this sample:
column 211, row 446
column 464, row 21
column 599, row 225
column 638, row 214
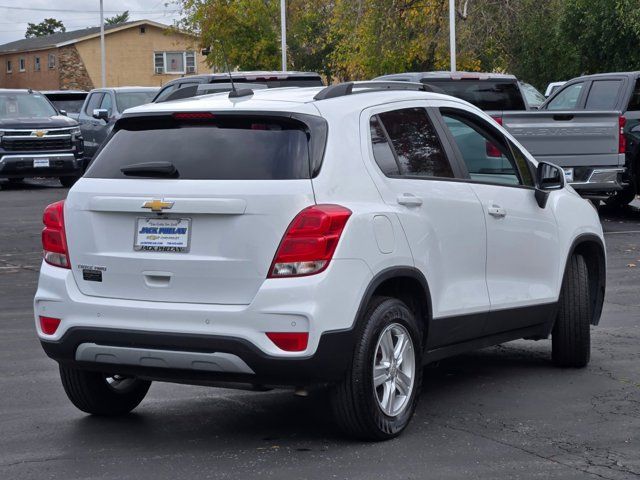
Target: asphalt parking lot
column 502, row 412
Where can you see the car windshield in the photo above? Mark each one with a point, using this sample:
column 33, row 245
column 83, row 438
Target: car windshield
column 133, row 99
column 484, row 94
column 532, row 95
column 68, row 104
column 23, row 104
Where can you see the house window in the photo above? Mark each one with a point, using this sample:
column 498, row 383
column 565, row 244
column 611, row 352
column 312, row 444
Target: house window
column 143, row 30
column 174, row 62
column 51, row 61
column 22, row 64
column 36, row 64
column 9, row 66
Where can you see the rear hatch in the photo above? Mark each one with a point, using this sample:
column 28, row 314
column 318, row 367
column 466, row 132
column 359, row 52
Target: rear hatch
column 190, row 207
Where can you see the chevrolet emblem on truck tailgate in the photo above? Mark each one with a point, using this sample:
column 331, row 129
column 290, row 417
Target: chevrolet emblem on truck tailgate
column 157, row 205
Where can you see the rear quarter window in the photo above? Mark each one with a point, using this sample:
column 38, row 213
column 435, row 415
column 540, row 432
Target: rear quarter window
column 229, row 147
column 603, row 95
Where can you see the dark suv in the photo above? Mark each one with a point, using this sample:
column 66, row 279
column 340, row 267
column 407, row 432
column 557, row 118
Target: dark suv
column 36, row 140
column 188, row 86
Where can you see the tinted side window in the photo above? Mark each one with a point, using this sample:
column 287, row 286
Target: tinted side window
column 93, row 103
column 382, row 151
column 567, row 99
column 634, row 103
column 416, row 143
column 487, row 157
column 484, row 94
column 603, row 95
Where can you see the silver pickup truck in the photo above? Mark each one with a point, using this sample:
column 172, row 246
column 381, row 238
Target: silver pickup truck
column 589, row 144
column 585, row 144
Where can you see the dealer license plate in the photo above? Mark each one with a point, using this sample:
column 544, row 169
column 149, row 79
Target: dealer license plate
column 40, row 163
column 162, row 234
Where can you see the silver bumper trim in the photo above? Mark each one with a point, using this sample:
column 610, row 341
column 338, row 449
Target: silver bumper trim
column 143, row 357
column 602, row 175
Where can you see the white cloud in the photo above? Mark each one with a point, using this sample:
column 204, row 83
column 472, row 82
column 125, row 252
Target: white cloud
column 13, row 22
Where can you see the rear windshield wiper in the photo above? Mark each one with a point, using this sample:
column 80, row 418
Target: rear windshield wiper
column 151, row 169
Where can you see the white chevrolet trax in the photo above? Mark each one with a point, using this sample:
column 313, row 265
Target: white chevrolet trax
column 341, row 236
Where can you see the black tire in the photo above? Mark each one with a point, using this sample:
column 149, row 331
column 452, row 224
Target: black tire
column 571, row 336
column 354, row 400
column 68, row 182
column 92, row 393
column 622, row 198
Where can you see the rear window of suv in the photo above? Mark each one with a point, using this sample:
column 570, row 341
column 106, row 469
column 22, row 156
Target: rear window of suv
column 484, row 94
column 224, row 147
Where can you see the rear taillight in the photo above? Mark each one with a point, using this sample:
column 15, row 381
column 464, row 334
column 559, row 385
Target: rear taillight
column 54, row 238
column 49, row 325
column 492, row 150
column 622, row 140
column 289, row 341
column 309, row 242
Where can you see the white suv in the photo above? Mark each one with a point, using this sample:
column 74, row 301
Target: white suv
column 343, row 236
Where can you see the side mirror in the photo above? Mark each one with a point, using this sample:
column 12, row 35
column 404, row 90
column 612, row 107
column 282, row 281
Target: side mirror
column 101, row 114
column 63, row 112
column 549, row 177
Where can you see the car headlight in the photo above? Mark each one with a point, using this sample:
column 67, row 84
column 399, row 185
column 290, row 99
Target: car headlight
column 76, row 131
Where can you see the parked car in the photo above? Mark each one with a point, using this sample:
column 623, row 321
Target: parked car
column 609, row 91
column 273, row 79
column 586, row 144
column 36, row 141
column 103, row 107
column 311, row 236
column 553, row 88
column 67, row 102
column 531, row 95
column 491, row 92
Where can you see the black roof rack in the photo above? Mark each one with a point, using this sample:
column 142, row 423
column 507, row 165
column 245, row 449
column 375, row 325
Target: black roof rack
column 346, row 88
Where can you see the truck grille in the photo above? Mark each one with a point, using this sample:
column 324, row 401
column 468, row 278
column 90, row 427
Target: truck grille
column 37, row 140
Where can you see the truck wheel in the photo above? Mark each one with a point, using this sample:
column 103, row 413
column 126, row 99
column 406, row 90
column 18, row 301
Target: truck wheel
column 378, row 395
column 622, row 198
column 571, row 336
column 67, row 182
column 102, row 394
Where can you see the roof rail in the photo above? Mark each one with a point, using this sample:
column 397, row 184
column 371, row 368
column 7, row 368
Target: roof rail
column 346, row 88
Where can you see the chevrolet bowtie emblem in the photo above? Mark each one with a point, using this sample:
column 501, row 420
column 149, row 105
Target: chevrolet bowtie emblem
column 157, row 205
column 39, row 133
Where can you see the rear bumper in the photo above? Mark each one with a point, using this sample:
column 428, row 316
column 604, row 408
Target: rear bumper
column 61, row 164
column 203, row 359
column 599, row 180
column 323, row 305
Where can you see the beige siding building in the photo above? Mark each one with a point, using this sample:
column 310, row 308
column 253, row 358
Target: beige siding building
column 142, row 53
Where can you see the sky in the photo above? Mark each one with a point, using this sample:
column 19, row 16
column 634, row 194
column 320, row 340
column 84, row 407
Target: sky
column 77, row 14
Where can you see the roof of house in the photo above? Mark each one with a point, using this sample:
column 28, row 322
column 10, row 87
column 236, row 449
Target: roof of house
column 66, row 38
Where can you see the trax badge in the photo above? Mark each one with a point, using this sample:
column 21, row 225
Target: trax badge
column 157, row 205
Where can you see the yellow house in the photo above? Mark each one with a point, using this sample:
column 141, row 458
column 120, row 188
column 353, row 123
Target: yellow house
column 142, row 52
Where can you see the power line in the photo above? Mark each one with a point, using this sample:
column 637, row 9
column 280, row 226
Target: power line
column 62, row 10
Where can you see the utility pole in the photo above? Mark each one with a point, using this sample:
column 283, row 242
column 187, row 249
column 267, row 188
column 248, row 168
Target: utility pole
column 103, row 62
column 452, row 34
column 283, row 34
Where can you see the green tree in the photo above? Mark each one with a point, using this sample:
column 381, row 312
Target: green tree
column 120, row 18
column 47, row 27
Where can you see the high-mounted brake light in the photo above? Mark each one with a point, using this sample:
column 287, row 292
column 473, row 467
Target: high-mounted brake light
column 622, row 140
column 54, row 238
column 310, row 241
column 194, row 116
column 289, row 341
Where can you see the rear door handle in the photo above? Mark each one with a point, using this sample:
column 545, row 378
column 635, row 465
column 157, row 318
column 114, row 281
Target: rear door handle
column 497, row 211
column 409, row 200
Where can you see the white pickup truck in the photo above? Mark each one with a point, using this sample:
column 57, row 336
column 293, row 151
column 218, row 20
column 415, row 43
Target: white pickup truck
column 589, row 145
